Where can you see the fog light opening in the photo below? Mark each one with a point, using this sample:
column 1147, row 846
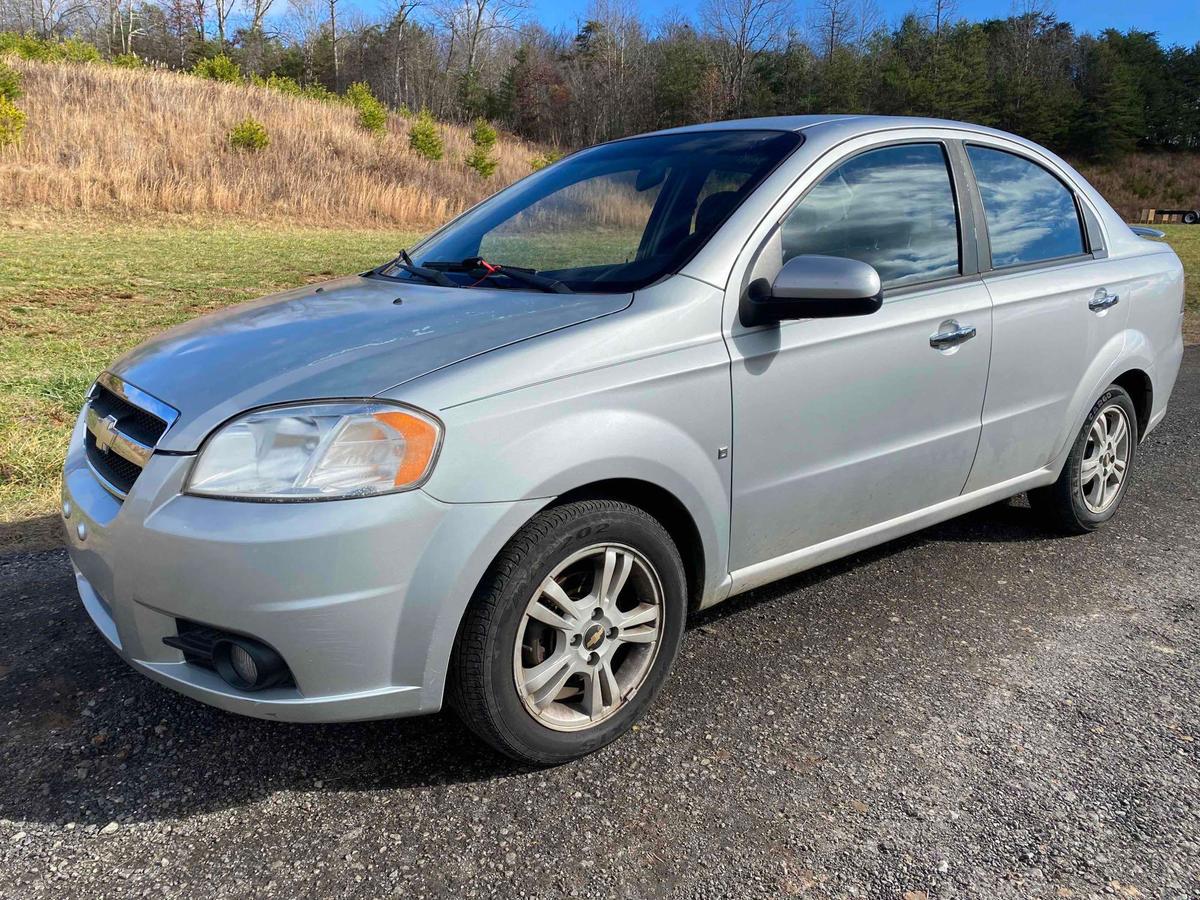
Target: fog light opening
column 248, row 665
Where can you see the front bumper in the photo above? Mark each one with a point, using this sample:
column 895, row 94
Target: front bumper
column 362, row 597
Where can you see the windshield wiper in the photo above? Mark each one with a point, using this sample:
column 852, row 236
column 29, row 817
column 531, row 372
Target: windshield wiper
column 477, row 264
column 404, row 261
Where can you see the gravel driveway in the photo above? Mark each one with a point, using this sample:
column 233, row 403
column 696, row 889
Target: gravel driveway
column 980, row 710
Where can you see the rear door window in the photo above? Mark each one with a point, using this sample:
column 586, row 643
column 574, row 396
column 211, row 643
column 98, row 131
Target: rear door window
column 1031, row 215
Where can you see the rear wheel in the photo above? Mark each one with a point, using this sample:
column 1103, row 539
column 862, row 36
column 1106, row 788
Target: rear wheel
column 1097, row 470
column 1191, row 218
column 572, row 633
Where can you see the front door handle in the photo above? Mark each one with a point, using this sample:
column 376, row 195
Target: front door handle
column 1103, row 300
column 951, row 338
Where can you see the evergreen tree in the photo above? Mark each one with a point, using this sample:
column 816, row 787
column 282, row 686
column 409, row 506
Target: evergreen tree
column 1110, row 117
column 483, row 139
column 678, row 74
column 424, row 137
column 472, row 96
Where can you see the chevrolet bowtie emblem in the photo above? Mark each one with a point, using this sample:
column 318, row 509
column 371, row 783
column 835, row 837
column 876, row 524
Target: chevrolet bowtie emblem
column 105, row 433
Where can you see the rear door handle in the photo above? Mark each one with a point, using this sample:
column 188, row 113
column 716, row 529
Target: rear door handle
column 1103, row 300
column 952, row 338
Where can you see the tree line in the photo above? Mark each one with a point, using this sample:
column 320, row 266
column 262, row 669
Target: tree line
column 617, row 73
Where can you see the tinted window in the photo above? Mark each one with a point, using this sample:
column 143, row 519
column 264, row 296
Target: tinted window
column 1031, row 215
column 615, row 217
column 892, row 208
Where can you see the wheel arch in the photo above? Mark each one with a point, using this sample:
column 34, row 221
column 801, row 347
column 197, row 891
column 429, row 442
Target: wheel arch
column 668, row 509
column 1126, row 360
column 1138, row 385
column 461, row 588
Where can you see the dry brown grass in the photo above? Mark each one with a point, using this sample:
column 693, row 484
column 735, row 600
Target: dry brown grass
column 102, row 139
column 1148, row 180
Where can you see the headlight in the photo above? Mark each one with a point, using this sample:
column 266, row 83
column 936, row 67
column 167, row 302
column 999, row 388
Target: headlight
column 318, row 451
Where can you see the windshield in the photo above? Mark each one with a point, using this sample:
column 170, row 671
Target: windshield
column 609, row 219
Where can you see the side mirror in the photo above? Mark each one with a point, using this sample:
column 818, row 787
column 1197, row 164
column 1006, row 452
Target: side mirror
column 813, row 287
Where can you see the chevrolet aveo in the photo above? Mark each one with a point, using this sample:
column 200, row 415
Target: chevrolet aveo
column 500, row 471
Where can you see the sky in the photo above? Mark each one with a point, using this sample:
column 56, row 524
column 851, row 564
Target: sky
column 1176, row 21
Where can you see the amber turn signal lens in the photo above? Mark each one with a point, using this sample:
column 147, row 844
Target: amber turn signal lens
column 420, row 441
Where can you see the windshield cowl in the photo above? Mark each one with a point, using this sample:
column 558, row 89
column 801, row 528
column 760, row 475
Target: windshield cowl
column 477, row 271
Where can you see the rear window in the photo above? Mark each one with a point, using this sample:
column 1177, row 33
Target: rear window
column 1031, row 215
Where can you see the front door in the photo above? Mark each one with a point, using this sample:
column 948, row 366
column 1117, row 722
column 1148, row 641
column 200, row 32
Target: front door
column 845, row 423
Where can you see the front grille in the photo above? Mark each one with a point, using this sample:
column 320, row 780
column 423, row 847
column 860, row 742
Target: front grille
column 132, row 421
column 116, row 470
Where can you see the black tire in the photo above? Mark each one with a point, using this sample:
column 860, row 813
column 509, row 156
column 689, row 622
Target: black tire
column 1191, row 218
column 1062, row 504
column 482, row 687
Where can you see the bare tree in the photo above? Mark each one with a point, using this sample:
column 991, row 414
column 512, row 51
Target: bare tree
column 868, row 21
column 258, row 12
column 744, row 30
column 254, row 38
column 200, row 19
column 47, row 18
column 304, row 22
column 602, row 70
column 333, row 40
column 127, row 25
column 834, row 24
column 179, row 18
column 223, row 8
column 472, row 23
column 398, row 14
column 939, row 14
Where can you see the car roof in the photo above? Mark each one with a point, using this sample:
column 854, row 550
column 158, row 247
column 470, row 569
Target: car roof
column 765, row 123
column 846, row 123
column 836, row 128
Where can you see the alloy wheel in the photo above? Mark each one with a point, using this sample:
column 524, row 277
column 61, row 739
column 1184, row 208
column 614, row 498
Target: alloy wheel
column 588, row 637
column 1105, row 458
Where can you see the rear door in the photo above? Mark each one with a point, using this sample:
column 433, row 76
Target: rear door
column 1059, row 309
column 844, row 423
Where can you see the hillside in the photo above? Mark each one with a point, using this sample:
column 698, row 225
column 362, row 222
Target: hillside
column 1141, row 180
column 101, row 138
column 139, row 141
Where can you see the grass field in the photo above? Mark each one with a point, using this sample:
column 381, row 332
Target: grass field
column 1186, row 241
column 75, row 295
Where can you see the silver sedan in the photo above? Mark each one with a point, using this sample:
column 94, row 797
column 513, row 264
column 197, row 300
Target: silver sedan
column 500, row 470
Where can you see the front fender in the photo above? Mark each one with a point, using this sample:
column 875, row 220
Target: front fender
column 652, row 420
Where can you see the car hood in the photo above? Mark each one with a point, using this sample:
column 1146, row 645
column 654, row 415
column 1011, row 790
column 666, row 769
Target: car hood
column 354, row 337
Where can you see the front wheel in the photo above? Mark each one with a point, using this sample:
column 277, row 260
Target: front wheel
column 1097, row 470
column 572, row 633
